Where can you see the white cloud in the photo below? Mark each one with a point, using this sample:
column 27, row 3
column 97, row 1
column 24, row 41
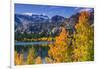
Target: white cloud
column 85, row 9
column 77, row 8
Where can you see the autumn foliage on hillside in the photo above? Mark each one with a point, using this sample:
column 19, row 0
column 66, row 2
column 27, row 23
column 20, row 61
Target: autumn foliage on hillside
column 82, row 47
column 83, row 42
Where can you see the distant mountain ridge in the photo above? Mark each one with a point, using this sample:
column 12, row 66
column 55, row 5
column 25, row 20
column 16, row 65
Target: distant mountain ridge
column 23, row 23
column 38, row 24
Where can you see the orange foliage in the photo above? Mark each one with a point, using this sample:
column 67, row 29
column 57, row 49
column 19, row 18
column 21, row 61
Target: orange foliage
column 59, row 50
column 18, row 58
column 38, row 60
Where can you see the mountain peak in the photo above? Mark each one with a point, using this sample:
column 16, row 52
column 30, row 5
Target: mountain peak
column 29, row 14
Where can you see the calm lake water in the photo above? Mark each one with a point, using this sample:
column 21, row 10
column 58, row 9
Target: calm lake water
column 33, row 43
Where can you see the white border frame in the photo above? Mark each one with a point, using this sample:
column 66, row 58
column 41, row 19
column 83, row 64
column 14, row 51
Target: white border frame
column 44, row 66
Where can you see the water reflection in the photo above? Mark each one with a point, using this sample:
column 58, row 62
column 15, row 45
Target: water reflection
column 41, row 49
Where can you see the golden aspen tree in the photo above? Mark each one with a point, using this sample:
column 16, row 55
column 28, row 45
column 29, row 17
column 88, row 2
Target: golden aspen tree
column 31, row 56
column 15, row 57
column 83, row 39
column 18, row 58
column 38, row 60
column 48, row 60
column 21, row 59
column 59, row 50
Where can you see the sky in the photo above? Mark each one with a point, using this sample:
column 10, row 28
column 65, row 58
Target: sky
column 48, row 10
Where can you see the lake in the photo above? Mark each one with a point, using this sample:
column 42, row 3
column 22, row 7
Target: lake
column 40, row 49
column 33, row 43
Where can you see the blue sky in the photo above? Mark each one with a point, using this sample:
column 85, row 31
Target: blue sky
column 48, row 10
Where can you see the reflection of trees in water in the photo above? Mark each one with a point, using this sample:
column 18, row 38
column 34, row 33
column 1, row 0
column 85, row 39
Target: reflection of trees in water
column 39, row 50
column 43, row 51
